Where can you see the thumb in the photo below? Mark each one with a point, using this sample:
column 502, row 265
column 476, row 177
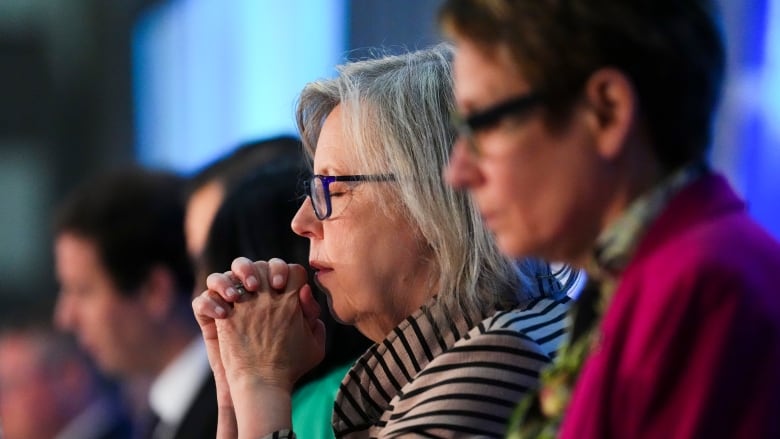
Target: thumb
column 309, row 306
column 311, row 312
column 318, row 331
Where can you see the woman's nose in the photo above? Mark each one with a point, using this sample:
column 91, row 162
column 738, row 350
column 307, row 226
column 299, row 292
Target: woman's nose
column 305, row 223
column 461, row 172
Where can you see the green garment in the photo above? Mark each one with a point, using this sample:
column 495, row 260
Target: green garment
column 312, row 405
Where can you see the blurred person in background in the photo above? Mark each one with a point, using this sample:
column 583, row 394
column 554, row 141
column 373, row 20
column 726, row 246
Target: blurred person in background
column 126, row 284
column 49, row 389
column 585, row 129
column 208, row 186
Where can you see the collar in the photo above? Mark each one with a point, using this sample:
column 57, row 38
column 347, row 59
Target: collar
column 380, row 374
column 173, row 391
column 617, row 243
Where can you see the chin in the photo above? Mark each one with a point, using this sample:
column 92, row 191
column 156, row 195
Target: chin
column 336, row 315
column 345, row 317
column 331, row 308
column 511, row 247
column 108, row 368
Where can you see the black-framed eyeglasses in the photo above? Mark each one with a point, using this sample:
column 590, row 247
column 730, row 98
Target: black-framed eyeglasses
column 469, row 125
column 318, row 190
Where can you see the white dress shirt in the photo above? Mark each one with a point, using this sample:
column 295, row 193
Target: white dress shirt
column 174, row 390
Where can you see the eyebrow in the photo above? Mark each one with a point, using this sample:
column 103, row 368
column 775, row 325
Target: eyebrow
column 331, row 169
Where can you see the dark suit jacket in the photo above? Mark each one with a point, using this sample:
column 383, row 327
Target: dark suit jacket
column 122, row 428
column 200, row 421
column 112, row 421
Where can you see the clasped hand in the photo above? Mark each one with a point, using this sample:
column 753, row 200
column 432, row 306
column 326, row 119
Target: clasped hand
column 268, row 336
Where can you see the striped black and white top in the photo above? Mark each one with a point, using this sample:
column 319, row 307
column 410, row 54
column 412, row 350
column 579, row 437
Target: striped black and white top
column 462, row 380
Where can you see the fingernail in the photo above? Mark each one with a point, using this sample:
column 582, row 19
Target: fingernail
column 220, row 311
column 251, row 282
column 278, row 279
column 231, row 292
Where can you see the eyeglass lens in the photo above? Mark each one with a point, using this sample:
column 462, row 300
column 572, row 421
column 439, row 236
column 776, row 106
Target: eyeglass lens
column 318, row 197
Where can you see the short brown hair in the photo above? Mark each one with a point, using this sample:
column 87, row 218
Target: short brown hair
column 671, row 50
column 135, row 219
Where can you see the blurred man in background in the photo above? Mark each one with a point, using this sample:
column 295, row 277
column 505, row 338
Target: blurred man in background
column 126, row 284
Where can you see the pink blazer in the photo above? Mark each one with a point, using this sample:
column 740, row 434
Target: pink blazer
column 690, row 345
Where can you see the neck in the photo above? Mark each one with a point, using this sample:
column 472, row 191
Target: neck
column 177, row 337
column 628, row 177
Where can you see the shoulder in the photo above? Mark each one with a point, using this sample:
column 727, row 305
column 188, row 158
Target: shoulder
column 706, row 225
column 471, row 388
column 726, row 252
column 497, row 352
column 543, row 322
column 720, row 270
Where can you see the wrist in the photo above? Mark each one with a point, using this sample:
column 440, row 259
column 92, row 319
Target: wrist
column 224, row 399
column 261, row 408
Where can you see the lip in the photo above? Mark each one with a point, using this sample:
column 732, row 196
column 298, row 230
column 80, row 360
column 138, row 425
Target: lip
column 319, row 268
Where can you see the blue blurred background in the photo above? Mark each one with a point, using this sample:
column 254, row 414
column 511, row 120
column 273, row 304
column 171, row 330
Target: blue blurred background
column 89, row 84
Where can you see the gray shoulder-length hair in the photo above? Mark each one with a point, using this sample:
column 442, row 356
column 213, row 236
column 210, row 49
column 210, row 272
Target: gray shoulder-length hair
column 396, row 113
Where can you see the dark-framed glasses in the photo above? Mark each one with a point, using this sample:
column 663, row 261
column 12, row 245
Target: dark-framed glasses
column 470, row 125
column 318, row 189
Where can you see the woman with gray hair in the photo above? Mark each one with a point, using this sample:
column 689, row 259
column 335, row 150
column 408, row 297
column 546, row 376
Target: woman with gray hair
column 460, row 337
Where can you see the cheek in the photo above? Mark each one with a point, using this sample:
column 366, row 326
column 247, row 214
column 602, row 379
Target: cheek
column 507, row 183
column 355, row 279
column 522, row 208
column 100, row 313
column 106, row 320
column 366, row 265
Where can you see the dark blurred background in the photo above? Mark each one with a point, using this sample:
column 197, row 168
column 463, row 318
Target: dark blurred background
column 88, row 84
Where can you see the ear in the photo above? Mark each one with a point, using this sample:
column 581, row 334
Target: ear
column 613, row 104
column 159, row 293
